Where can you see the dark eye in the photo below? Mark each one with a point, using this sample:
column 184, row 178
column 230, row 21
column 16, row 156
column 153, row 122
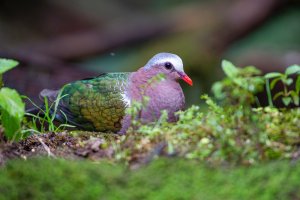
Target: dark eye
column 168, row 65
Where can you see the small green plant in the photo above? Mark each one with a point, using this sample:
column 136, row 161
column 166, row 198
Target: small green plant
column 12, row 106
column 240, row 85
column 44, row 121
column 287, row 95
column 222, row 135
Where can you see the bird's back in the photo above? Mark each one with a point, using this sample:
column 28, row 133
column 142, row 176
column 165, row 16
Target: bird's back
column 95, row 103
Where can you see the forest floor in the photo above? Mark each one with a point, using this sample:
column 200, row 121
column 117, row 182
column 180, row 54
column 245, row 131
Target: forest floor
column 54, row 165
column 57, row 145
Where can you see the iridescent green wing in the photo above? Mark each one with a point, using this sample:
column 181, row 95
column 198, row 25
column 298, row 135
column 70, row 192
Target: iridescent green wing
column 95, row 104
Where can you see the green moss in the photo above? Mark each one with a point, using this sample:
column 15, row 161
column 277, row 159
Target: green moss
column 162, row 179
column 54, row 179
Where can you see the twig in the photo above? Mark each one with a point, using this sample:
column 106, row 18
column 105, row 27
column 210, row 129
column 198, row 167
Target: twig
column 47, row 149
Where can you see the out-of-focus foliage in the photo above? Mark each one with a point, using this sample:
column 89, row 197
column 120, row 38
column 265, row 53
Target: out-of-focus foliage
column 232, row 135
column 288, row 96
column 162, row 179
column 12, row 106
column 7, row 64
column 240, row 85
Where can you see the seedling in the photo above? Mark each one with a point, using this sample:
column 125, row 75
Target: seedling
column 46, row 116
column 240, row 85
column 287, row 95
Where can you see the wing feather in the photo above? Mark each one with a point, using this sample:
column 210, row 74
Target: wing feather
column 92, row 104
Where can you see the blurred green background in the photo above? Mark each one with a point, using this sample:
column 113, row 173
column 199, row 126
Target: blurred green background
column 60, row 41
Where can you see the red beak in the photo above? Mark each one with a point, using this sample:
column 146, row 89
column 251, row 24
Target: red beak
column 186, row 78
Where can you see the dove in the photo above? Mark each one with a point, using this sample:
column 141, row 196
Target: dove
column 100, row 103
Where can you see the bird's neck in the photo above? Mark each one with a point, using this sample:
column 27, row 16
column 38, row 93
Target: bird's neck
column 143, row 80
column 139, row 82
column 146, row 76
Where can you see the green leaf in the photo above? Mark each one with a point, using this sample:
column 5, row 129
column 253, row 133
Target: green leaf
column 12, row 110
column 292, row 69
column 241, row 82
column 286, row 100
column 272, row 75
column 251, row 70
column 295, row 97
column 217, row 90
column 278, row 95
column 12, row 102
column 229, row 69
column 298, row 84
column 7, row 64
column 273, row 82
column 288, row 81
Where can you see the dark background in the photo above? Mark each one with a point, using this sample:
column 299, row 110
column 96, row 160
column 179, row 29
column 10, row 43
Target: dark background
column 61, row 41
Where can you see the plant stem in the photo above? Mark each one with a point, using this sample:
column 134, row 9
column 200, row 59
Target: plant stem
column 269, row 93
column 1, row 81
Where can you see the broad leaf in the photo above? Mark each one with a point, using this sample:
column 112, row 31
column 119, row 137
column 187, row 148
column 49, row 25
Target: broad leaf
column 286, row 100
column 217, row 90
column 288, row 81
column 229, row 69
column 295, row 97
column 241, row 82
column 251, row 70
column 272, row 75
column 7, row 64
column 292, row 69
column 12, row 126
column 12, row 110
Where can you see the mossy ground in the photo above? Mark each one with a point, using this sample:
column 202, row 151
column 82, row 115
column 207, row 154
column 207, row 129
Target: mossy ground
column 44, row 178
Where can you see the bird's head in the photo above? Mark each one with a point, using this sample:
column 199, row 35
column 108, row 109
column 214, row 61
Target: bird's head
column 170, row 65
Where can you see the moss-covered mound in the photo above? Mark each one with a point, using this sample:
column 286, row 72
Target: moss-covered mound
column 162, row 179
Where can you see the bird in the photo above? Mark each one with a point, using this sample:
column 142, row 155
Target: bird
column 100, row 103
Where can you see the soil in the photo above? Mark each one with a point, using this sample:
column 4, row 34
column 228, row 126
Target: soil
column 62, row 145
column 84, row 145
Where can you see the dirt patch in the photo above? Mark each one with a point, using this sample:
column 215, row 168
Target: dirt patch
column 64, row 145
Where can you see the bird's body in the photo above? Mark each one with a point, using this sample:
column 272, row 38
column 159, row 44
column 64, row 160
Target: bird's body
column 99, row 103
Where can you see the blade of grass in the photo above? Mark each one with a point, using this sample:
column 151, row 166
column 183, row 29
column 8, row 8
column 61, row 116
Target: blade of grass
column 269, row 93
